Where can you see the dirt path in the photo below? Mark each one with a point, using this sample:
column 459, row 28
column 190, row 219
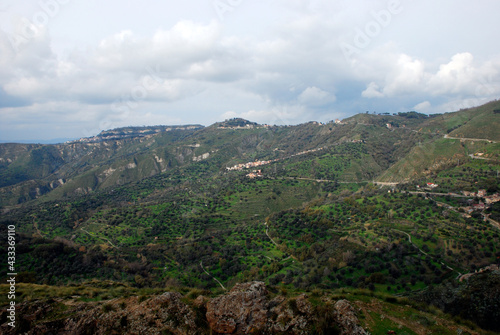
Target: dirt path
column 201, row 264
column 267, row 233
column 102, row 238
column 277, row 245
column 35, row 224
column 426, row 254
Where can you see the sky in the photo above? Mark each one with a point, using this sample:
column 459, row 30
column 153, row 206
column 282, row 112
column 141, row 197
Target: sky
column 72, row 68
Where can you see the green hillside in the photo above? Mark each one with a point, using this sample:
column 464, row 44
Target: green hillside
column 313, row 207
column 480, row 122
column 427, row 157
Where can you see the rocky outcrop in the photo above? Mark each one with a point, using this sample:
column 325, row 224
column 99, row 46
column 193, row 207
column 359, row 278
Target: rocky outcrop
column 290, row 316
column 347, row 320
column 159, row 315
column 245, row 309
column 241, row 311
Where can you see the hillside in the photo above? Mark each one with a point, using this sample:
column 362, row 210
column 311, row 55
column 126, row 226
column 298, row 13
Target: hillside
column 382, row 204
column 477, row 123
column 401, row 147
column 31, row 171
column 247, row 308
column 131, row 154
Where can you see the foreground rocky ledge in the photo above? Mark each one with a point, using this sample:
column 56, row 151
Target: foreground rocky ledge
column 246, row 309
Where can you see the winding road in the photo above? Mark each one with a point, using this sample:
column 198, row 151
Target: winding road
column 423, row 252
column 217, row 280
column 342, row 182
column 267, row 233
column 468, row 139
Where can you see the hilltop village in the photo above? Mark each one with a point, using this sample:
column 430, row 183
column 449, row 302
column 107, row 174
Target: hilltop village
column 249, row 165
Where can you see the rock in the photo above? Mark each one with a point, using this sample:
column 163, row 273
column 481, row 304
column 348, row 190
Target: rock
column 284, row 319
column 162, row 314
column 200, row 302
column 173, row 313
column 347, row 319
column 303, row 304
column 242, row 311
column 245, row 309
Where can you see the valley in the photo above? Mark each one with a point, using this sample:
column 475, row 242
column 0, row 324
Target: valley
column 356, row 209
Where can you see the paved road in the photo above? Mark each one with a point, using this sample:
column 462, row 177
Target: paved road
column 483, row 158
column 468, row 139
column 455, row 195
column 385, row 184
column 342, row 182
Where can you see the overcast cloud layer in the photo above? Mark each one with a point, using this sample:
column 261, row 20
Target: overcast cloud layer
column 71, row 68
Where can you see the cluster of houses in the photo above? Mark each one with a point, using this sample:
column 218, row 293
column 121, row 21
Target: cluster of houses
column 249, row 165
column 247, row 126
column 242, row 166
column 428, row 186
column 492, row 198
column 485, row 201
column 307, row 152
column 258, row 126
column 488, row 199
column 255, row 174
column 480, row 193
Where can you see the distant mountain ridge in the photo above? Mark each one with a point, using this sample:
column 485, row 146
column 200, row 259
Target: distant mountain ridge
column 133, row 132
column 129, row 154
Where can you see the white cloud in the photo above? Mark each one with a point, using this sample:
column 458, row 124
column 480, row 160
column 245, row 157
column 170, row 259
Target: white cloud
column 120, row 65
column 372, row 91
column 287, row 67
column 407, row 76
column 422, row 107
column 316, row 97
column 459, row 76
column 413, row 77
